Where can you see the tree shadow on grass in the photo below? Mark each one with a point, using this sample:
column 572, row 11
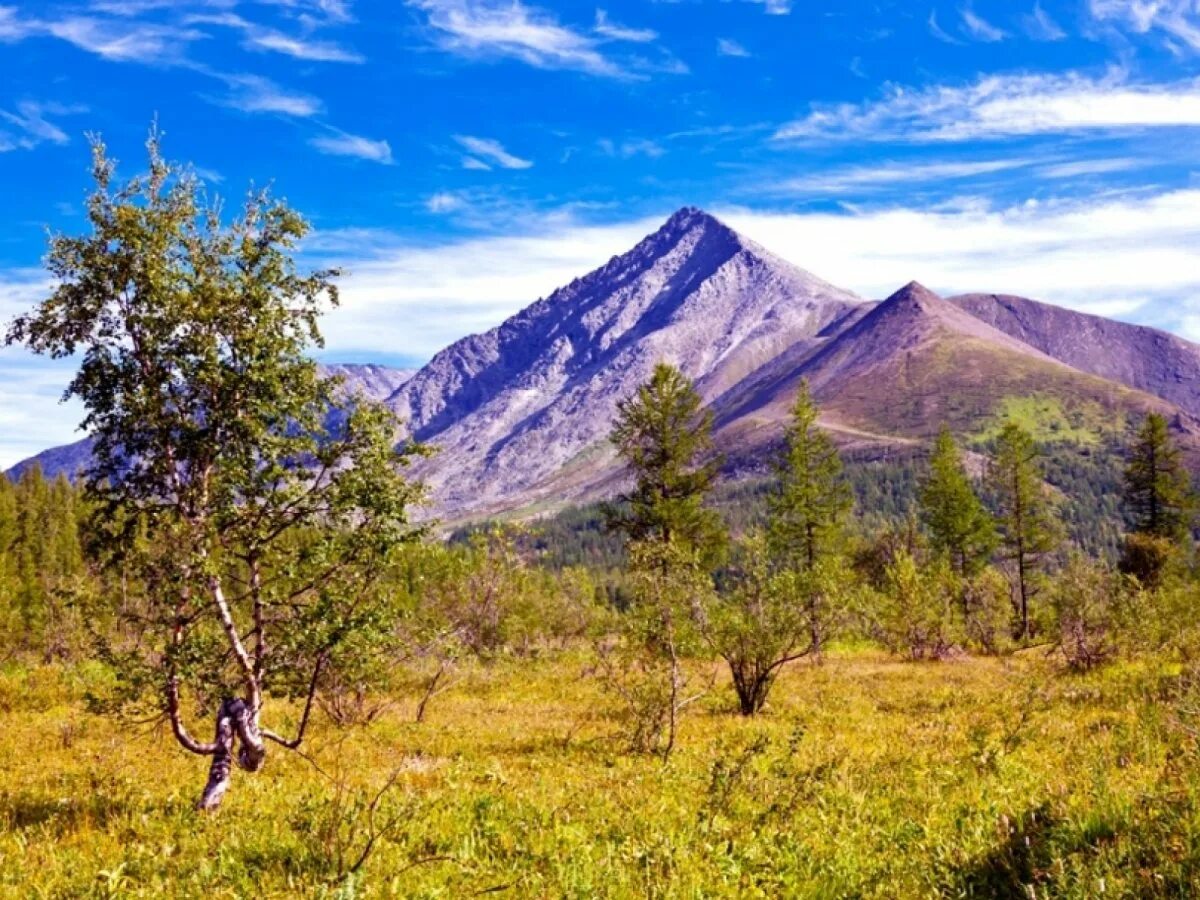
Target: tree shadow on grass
column 1040, row 848
column 69, row 811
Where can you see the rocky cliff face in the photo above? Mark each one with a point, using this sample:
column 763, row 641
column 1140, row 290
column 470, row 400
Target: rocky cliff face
column 522, row 413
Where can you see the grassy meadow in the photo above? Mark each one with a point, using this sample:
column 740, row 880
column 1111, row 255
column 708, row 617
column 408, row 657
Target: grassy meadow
column 866, row 777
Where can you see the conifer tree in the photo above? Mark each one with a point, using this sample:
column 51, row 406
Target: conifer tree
column 665, row 437
column 1158, row 489
column 959, row 525
column 1029, row 528
column 808, row 510
column 806, row 518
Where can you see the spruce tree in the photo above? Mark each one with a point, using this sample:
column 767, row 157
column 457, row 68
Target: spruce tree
column 665, row 437
column 1158, row 489
column 1029, row 528
column 807, row 512
column 959, row 525
column 806, row 519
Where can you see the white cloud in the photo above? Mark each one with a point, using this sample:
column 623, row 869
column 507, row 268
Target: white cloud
column 1004, row 105
column 31, row 125
column 340, row 143
column 258, row 37
column 938, row 32
column 1083, row 167
column 605, row 27
column 443, row 202
column 859, row 178
column 31, row 418
column 477, row 165
column 500, row 28
column 1178, row 18
column 256, row 94
column 775, row 7
column 979, row 28
column 490, row 150
column 727, row 47
column 121, row 41
column 1129, row 256
column 631, row 148
column 1040, row 26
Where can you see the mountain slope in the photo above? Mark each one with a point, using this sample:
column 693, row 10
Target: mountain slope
column 914, row 362
column 1144, row 358
column 523, row 412
column 376, row 382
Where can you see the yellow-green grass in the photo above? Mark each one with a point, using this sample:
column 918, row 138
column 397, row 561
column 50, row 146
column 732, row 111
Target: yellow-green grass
column 1046, row 418
column 867, row 777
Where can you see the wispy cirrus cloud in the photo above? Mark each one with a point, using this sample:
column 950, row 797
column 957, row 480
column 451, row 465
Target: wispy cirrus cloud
column 606, row 27
column 510, row 29
column 1001, row 106
column 938, row 31
column 980, row 28
column 117, row 40
column 729, row 47
column 630, row 148
column 341, row 143
column 30, row 126
column 258, row 37
column 1179, row 19
column 256, row 94
column 1040, row 25
column 886, row 175
column 486, row 152
column 775, row 7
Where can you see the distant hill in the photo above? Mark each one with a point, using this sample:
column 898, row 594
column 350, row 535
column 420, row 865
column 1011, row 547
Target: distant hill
column 521, row 413
column 377, row 382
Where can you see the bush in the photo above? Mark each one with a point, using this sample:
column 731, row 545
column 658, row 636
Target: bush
column 1148, row 558
column 919, row 614
column 1086, row 602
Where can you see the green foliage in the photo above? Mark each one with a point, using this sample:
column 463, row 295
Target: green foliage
column 1048, row 421
column 664, row 436
column 1028, row 526
column 643, row 666
column 808, row 510
column 251, row 504
column 43, row 571
column 1158, row 489
column 959, row 525
column 918, row 615
column 1087, row 601
column 756, row 624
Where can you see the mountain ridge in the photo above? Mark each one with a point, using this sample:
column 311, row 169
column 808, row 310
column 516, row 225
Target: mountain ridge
column 521, row 412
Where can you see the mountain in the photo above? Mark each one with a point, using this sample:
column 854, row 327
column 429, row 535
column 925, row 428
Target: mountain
column 1144, row 358
column 912, row 363
column 521, row 414
column 376, row 382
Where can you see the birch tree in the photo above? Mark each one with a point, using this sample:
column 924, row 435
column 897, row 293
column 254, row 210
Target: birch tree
column 252, row 519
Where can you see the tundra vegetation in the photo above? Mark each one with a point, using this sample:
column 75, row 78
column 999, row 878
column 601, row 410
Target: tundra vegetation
column 801, row 689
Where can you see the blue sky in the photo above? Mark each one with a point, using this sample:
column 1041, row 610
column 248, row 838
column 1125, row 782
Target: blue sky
column 463, row 157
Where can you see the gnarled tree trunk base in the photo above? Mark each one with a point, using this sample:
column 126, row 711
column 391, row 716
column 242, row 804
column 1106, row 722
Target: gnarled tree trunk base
column 236, row 721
